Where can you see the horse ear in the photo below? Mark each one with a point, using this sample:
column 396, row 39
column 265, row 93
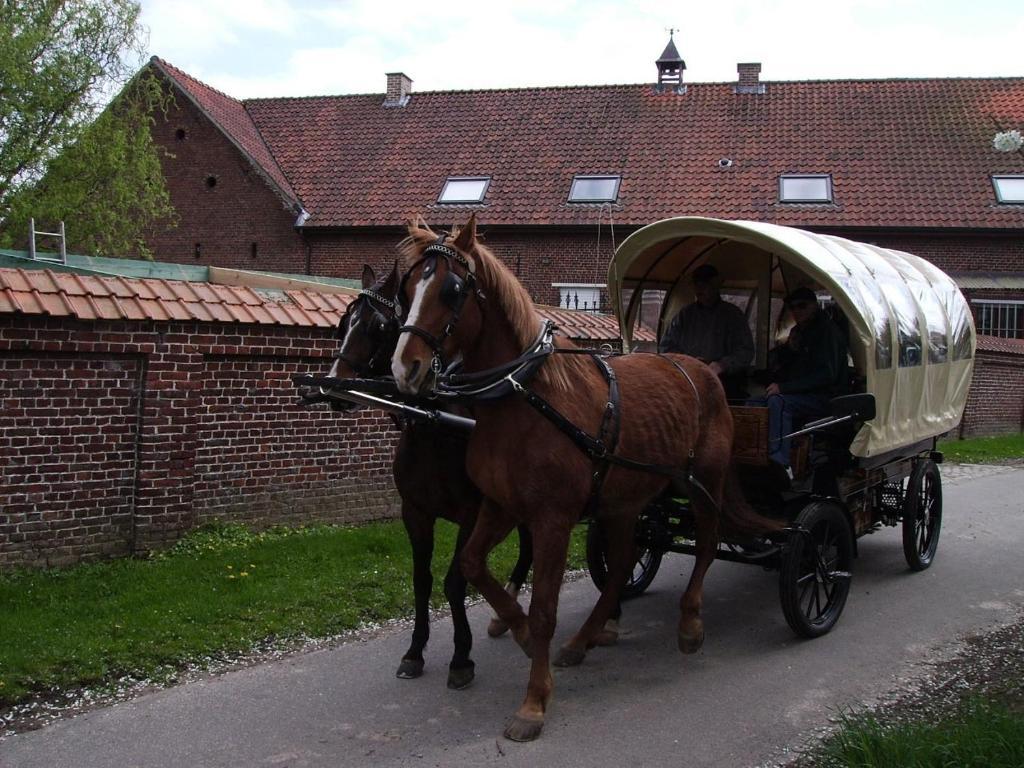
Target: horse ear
column 466, row 238
column 417, row 223
column 390, row 287
column 369, row 278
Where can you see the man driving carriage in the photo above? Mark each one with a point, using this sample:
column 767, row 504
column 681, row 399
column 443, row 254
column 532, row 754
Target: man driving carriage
column 808, row 370
column 714, row 331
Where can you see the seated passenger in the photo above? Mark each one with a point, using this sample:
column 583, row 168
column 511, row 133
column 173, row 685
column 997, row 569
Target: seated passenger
column 714, row 331
column 810, row 371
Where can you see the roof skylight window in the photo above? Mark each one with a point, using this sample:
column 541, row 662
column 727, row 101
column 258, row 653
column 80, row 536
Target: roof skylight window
column 594, row 189
column 464, row 189
column 805, row 188
column 1009, row 189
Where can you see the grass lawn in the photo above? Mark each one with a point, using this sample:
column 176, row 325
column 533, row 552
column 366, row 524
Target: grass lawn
column 219, row 591
column 985, row 450
column 981, row 734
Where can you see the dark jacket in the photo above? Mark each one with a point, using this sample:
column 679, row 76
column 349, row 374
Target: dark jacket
column 718, row 333
column 816, row 362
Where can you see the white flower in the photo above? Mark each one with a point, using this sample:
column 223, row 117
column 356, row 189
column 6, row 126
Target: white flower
column 1008, row 141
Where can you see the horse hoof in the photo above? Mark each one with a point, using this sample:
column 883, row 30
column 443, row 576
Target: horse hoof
column 569, row 657
column 691, row 644
column 409, row 669
column 461, row 678
column 497, row 627
column 521, row 729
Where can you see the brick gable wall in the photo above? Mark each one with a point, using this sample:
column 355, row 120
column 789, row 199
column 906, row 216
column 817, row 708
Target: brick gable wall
column 225, row 219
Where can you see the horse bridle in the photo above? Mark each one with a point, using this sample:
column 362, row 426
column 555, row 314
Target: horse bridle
column 387, row 322
column 454, row 292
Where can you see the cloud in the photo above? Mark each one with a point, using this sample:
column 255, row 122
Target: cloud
column 303, row 47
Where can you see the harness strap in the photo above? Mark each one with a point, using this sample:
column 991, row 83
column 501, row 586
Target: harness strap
column 598, row 450
column 608, row 435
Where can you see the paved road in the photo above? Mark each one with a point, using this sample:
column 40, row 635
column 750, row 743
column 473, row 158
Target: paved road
column 753, row 690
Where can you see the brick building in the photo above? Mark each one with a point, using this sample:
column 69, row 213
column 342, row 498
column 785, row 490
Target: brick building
column 559, row 175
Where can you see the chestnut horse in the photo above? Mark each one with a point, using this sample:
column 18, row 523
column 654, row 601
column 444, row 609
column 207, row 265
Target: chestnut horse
column 673, row 414
column 430, row 475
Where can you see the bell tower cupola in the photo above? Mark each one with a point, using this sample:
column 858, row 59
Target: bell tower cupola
column 670, row 67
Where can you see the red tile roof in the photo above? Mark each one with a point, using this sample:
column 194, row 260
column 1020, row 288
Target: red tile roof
column 89, row 297
column 997, row 344
column 912, row 153
column 232, row 118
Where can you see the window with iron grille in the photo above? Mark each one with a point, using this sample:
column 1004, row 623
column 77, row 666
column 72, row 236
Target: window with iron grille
column 999, row 318
column 585, row 297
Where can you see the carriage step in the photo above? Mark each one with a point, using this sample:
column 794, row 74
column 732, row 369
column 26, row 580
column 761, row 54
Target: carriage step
column 839, row 576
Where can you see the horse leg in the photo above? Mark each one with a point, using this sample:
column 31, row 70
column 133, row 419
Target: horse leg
column 497, row 627
column 691, row 626
column 492, row 526
column 420, row 529
column 550, row 551
column 601, row 626
column 461, row 669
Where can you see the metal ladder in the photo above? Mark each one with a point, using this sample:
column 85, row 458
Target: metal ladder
column 63, row 256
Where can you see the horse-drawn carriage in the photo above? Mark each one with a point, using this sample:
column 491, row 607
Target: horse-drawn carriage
column 643, row 444
column 874, row 462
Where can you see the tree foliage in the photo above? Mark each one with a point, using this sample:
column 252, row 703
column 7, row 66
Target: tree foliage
column 63, row 154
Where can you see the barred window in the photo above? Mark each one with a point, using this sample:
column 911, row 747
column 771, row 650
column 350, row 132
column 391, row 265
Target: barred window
column 585, row 297
column 1000, row 318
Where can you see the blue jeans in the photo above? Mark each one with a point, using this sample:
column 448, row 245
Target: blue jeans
column 783, row 412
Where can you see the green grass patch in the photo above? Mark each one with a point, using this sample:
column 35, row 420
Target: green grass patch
column 982, row 733
column 219, row 591
column 985, row 450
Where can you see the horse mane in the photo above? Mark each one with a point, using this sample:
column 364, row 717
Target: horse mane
column 504, row 290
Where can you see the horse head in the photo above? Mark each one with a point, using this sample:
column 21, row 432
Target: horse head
column 368, row 330
column 440, row 279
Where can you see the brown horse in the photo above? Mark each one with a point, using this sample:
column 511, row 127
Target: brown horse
column 430, row 475
column 674, row 414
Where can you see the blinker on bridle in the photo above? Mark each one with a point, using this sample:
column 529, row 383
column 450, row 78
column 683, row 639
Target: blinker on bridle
column 454, row 292
column 388, row 322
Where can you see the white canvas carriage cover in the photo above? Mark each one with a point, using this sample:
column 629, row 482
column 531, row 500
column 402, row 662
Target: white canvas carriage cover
column 911, row 331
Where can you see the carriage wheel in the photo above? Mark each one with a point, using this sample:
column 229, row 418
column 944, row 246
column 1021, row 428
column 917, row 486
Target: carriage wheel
column 922, row 515
column 815, row 576
column 644, row 569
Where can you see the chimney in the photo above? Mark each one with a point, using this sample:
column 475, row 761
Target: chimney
column 399, row 90
column 670, row 68
column 749, row 78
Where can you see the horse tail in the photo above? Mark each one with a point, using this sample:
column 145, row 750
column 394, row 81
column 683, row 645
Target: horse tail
column 737, row 515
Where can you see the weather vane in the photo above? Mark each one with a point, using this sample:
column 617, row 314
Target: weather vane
column 671, row 31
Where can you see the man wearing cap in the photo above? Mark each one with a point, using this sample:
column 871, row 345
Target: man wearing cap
column 814, row 372
column 714, row 331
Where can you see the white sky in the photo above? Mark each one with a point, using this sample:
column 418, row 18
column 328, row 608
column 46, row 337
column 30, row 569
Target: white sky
column 250, row 48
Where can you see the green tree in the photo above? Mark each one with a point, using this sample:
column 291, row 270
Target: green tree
column 63, row 155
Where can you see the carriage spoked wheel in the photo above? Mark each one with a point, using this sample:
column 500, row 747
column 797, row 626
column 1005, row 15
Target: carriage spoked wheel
column 922, row 515
column 815, row 576
column 644, row 569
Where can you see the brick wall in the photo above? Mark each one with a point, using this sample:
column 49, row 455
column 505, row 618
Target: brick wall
column 117, row 437
column 995, row 404
column 538, row 256
column 223, row 204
